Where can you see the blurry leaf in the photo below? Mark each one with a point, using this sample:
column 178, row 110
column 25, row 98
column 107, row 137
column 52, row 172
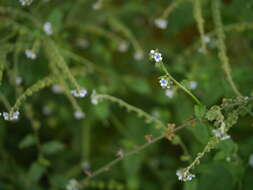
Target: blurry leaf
column 36, row 171
column 28, row 141
column 200, row 110
column 52, row 147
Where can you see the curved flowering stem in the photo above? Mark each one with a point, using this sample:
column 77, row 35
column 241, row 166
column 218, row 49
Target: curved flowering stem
column 129, row 107
column 133, row 152
column 178, row 84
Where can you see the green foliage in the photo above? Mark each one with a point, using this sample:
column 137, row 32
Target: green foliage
column 196, row 128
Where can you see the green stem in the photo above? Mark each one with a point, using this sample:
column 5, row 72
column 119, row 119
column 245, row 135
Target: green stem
column 179, row 85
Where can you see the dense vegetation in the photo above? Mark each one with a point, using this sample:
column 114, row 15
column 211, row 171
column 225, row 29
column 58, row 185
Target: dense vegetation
column 136, row 94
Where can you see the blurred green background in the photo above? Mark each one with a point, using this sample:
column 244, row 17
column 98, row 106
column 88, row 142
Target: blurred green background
column 106, row 45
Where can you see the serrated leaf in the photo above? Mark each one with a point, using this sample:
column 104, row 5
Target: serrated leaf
column 200, row 110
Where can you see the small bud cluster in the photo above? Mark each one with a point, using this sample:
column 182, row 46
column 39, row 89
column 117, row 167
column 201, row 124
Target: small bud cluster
column 184, row 175
column 221, row 132
column 79, row 94
column 79, row 115
column 11, row 116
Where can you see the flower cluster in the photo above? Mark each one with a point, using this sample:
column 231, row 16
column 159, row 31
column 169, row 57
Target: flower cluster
column 11, row 116
column 47, row 27
column 72, row 185
column 30, row 54
column 154, row 54
column 184, row 175
column 25, row 2
column 79, row 94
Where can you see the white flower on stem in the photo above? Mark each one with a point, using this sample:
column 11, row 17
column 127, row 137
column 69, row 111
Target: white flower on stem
column 72, row 185
column 163, row 83
column 83, row 43
column 47, row 27
column 11, row 116
column 120, row 153
column 156, row 56
column 138, row 56
column 79, row 94
column 193, row 85
column 79, row 115
column 97, row 5
column 30, row 54
column 251, row 160
column 169, row 93
column 184, row 176
column 219, row 133
column 123, row 46
column 161, row 23
column 25, row 2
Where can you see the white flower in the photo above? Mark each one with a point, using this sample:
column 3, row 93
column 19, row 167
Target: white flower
column 183, row 176
column 30, row 54
column 206, row 39
column 11, row 116
column 221, row 134
column 138, row 56
column 163, row 83
column 25, row 2
column 193, row 85
column 161, row 23
column 98, row 5
column 79, row 115
column 123, row 46
column 82, row 93
column 169, row 93
column 48, row 28
column 57, row 89
column 72, row 185
column 251, row 160
column 46, row 110
column 156, row 56
column 18, row 80
column 94, row 99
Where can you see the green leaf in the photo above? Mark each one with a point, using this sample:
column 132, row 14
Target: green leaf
column 28, row 141
column 36, row 171
column 200, row 110
column 52, row 147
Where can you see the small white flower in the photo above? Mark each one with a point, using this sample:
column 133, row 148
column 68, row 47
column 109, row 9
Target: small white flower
column 182, row 176
column 82, row 93
column 251, row 160
column 152, row 52
column 11, row 117
column 169, row 93
column 206, row 39
column 85, row 165
column 138, row 56
column 94, row 99
column 123, row 46
column 30, row 54
column 156, row 56
column 193, row 85
column 79, row 115
column 161, row 23
column 25, row 2
column 48, row 28
column 57, row 89
column 72, row 185
column 18, row 80
column 163, row 83
column 201, row 50
column 219, row 133
column 228, row 159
